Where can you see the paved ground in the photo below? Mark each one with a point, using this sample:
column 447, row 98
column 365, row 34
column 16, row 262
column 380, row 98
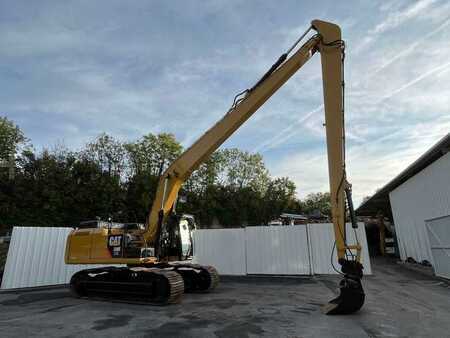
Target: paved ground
column 400, row 303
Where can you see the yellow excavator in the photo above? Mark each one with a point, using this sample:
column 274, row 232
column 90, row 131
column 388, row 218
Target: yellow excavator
column 156, row 269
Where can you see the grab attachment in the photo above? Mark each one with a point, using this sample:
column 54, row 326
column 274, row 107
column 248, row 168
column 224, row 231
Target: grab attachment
column 351, row 297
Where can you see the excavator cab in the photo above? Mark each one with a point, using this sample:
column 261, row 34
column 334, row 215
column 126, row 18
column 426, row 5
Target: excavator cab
column 175, row 243
column 187, row 226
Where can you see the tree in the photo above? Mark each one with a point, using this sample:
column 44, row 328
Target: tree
column 279, row 197
column 208, row 174
column 153, row 153
column 318, row 202
column 140, row 154
column 11, row 136
column 229, row 187
column 147, row 158
column 38, row 195
column 108, row 153
column 140, row 191
column 60, row 187
column 167, row 150
column 243, row 169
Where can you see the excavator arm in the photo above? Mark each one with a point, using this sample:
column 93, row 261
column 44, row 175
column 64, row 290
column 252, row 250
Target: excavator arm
column 328, row 42
column 175, row 175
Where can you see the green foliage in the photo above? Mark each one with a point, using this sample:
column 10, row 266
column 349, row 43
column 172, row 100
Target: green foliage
column 234, row 188
column 153, row 153
column 279, row 197
column 108, row 153
column 10, row 137
column 245, row 170
column 60, row 187
column 317, row 203
column 207, row 175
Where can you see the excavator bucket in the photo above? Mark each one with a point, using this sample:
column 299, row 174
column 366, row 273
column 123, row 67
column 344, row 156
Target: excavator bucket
column 351, row 297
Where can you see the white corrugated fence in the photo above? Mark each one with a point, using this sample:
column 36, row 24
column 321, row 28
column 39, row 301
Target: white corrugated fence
column 321, row 245
column 228, row 253
column 36, row 258
column 274, row 250
column 36, row 254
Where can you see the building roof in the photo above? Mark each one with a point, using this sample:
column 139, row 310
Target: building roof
column 380, row 200
column 294, row 216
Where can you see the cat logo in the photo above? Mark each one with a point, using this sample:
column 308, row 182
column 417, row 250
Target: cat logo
column 115, row 240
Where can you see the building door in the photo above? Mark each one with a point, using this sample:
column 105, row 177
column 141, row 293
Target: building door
column 438, row 230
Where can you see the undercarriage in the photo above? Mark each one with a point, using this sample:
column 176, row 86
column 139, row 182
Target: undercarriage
column 159, row 284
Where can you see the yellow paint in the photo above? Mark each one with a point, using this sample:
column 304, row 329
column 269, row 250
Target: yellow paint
column 81, row 250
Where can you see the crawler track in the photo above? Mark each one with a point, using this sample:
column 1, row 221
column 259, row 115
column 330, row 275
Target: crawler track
column 197, row 278
column 136, row 284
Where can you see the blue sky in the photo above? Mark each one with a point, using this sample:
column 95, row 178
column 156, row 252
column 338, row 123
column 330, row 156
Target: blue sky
column 73, row 69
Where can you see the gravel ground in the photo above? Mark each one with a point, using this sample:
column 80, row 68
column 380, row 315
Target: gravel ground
column 400, row 303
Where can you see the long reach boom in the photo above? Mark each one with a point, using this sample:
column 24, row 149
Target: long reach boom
column 328, row 42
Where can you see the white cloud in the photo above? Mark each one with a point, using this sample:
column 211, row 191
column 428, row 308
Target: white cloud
column 72, row 72
column 400, row 16
column 438, row 69
column 287, row 132
column 410, row 49
column 370, row 165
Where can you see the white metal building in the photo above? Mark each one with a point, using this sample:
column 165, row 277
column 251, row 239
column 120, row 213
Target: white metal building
column 418, row 202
